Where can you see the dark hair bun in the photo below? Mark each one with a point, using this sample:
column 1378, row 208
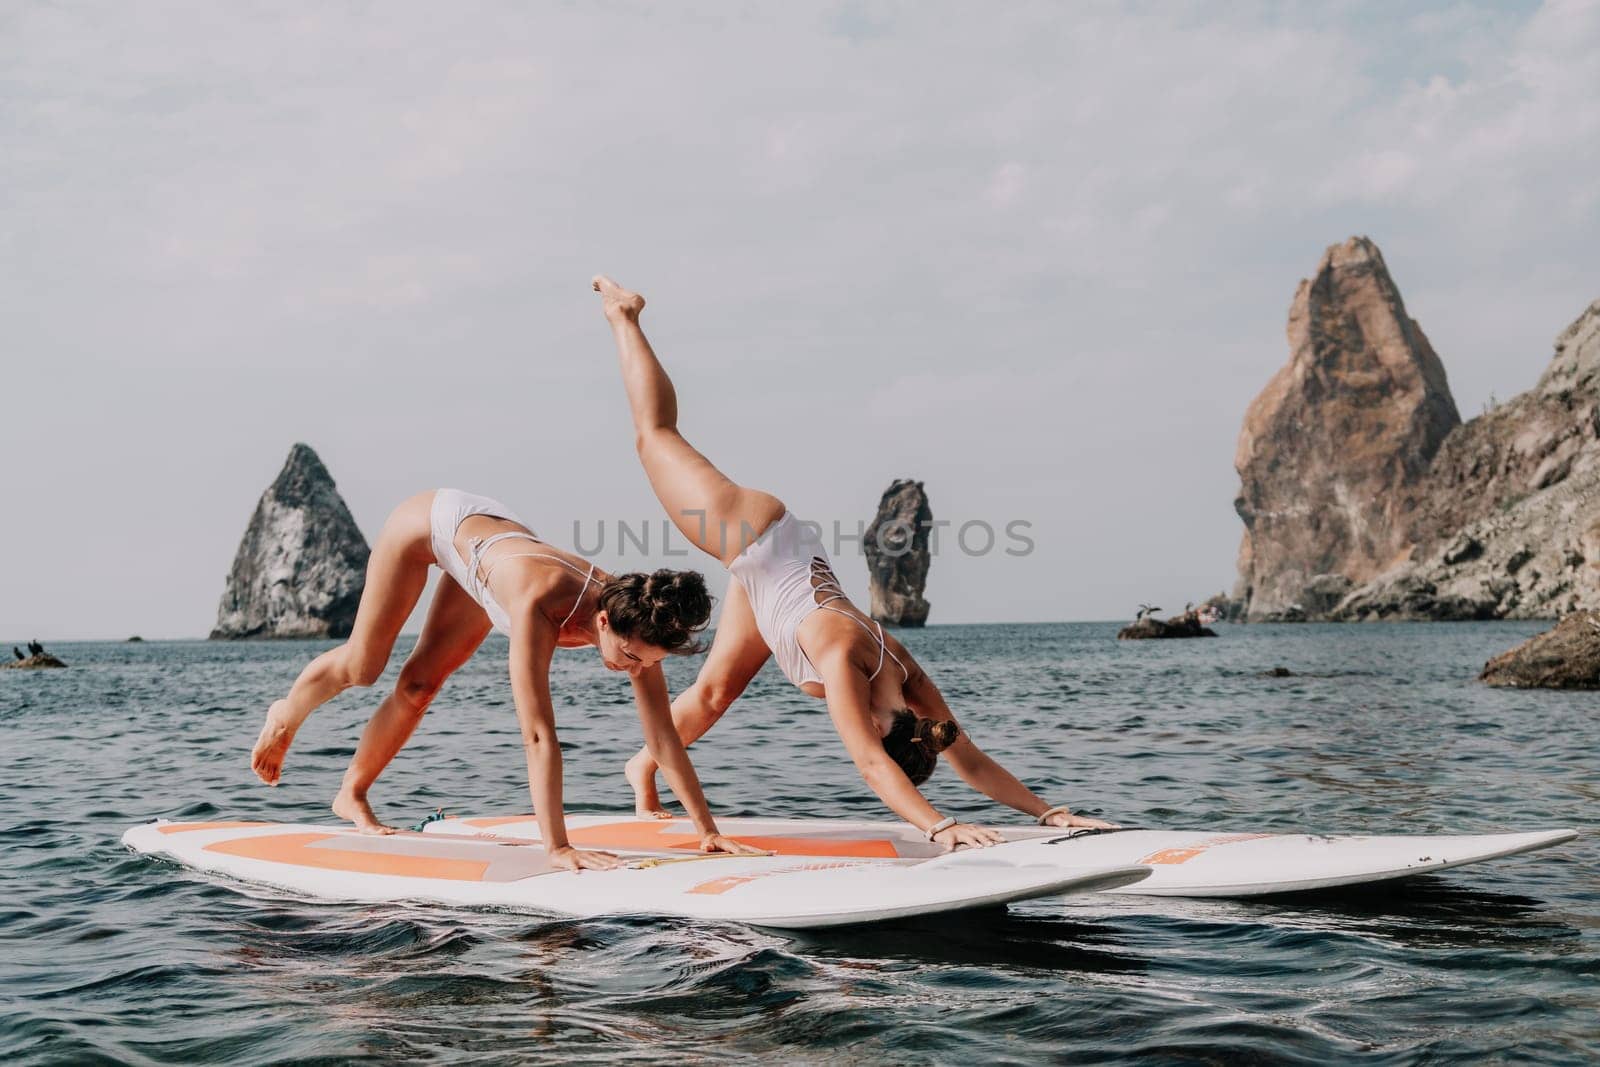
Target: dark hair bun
column 677, row 596
column 937, row 734
column 914, row 743
column 666, row 609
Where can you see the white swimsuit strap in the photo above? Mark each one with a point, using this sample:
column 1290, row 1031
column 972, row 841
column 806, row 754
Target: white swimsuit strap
column 883, row 645
column 831, row 585
column 905, row 675
column 587, row 578
column 478, row 545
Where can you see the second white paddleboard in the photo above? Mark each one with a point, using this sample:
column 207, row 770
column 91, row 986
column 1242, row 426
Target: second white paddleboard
column 1186, row 863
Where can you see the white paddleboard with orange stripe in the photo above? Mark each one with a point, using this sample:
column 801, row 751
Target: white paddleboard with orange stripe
column 1183, row 863
column 785, row 892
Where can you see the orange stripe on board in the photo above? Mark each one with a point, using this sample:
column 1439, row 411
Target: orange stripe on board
column 185, row 827
column 660, row 835
column 1172, row 855
column 296, row 851
column 666, row 834
column 721, row 885
column 717, row 886
column 1183, row 855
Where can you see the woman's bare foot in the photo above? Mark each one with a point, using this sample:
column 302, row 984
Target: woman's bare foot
column 641, row 774
column 620, row 304
column 277, row 733
column 354, row 807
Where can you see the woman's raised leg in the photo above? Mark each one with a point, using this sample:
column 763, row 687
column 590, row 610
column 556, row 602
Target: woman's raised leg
column 737, row 654
column 714, row 512
column 455, row 628
column 397, row 572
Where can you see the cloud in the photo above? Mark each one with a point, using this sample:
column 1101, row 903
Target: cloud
column 1029, row 256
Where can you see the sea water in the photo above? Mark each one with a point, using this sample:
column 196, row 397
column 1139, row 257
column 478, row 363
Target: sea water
column 107, row 956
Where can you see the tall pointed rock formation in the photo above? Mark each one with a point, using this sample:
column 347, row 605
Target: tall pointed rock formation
column 1334, row 451
column 302, row 563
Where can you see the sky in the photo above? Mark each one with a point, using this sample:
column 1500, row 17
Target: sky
column 1039, row 256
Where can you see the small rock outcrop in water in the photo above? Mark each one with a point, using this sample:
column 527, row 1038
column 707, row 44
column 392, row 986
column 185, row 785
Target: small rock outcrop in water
column 1334, row 451
column 302, row 563
column 1147, row 627
column 37, row 661
column 896, row 546
column 1567, row 657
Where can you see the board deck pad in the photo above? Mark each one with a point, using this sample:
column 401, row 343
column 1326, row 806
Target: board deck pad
column 782, row 891
column 1190, row 863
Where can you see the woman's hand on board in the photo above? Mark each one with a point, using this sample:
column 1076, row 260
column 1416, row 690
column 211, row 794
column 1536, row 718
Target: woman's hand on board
column 966, row 835
column 567, row 858
column 730, row 845
column 1065, row 820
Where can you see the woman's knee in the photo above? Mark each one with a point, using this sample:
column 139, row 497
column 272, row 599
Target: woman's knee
column 719, row 691
column 363, row 666
column 416, row 688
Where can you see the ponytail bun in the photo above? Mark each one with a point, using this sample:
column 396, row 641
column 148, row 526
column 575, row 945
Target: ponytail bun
column 666, row 609
column 937, row 734
column 915, row 743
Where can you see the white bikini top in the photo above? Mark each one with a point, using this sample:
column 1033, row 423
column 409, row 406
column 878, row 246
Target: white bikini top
column 478, row 575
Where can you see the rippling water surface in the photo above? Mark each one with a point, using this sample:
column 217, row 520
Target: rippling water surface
column 105, row 955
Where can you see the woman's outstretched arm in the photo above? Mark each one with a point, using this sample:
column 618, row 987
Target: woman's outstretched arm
column 850, row 708
column 666, row 749
column 533, row 643
column 976, row 767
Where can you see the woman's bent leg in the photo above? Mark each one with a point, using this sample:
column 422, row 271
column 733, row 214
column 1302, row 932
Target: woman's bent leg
column 714, row 512
column 737, row 654
column 397, row 572
column 455, row 628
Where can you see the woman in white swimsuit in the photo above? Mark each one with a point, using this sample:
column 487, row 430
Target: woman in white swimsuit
column 498, row 575
column 786, row 603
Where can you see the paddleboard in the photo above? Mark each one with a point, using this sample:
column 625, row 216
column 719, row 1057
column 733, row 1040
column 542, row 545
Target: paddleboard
column 783, row 892
column 1183, row 863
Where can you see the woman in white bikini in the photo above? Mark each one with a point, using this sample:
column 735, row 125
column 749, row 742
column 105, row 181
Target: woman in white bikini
column 786, row 603
column 498, row 575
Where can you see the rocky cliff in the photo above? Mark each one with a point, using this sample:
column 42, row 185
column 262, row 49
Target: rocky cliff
column 1510, row 527
column 1334, row 452
column 302, row 563
column 896, row 546
column 1364, row 497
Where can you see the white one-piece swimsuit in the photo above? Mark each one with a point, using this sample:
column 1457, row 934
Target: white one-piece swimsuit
column 450, row 508
column 784, row 572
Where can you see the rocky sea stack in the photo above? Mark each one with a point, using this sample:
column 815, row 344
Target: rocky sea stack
column 1567, row 657
column 896, row 546
column 302, row 563
column 1335, row 450
column 1365, row 497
